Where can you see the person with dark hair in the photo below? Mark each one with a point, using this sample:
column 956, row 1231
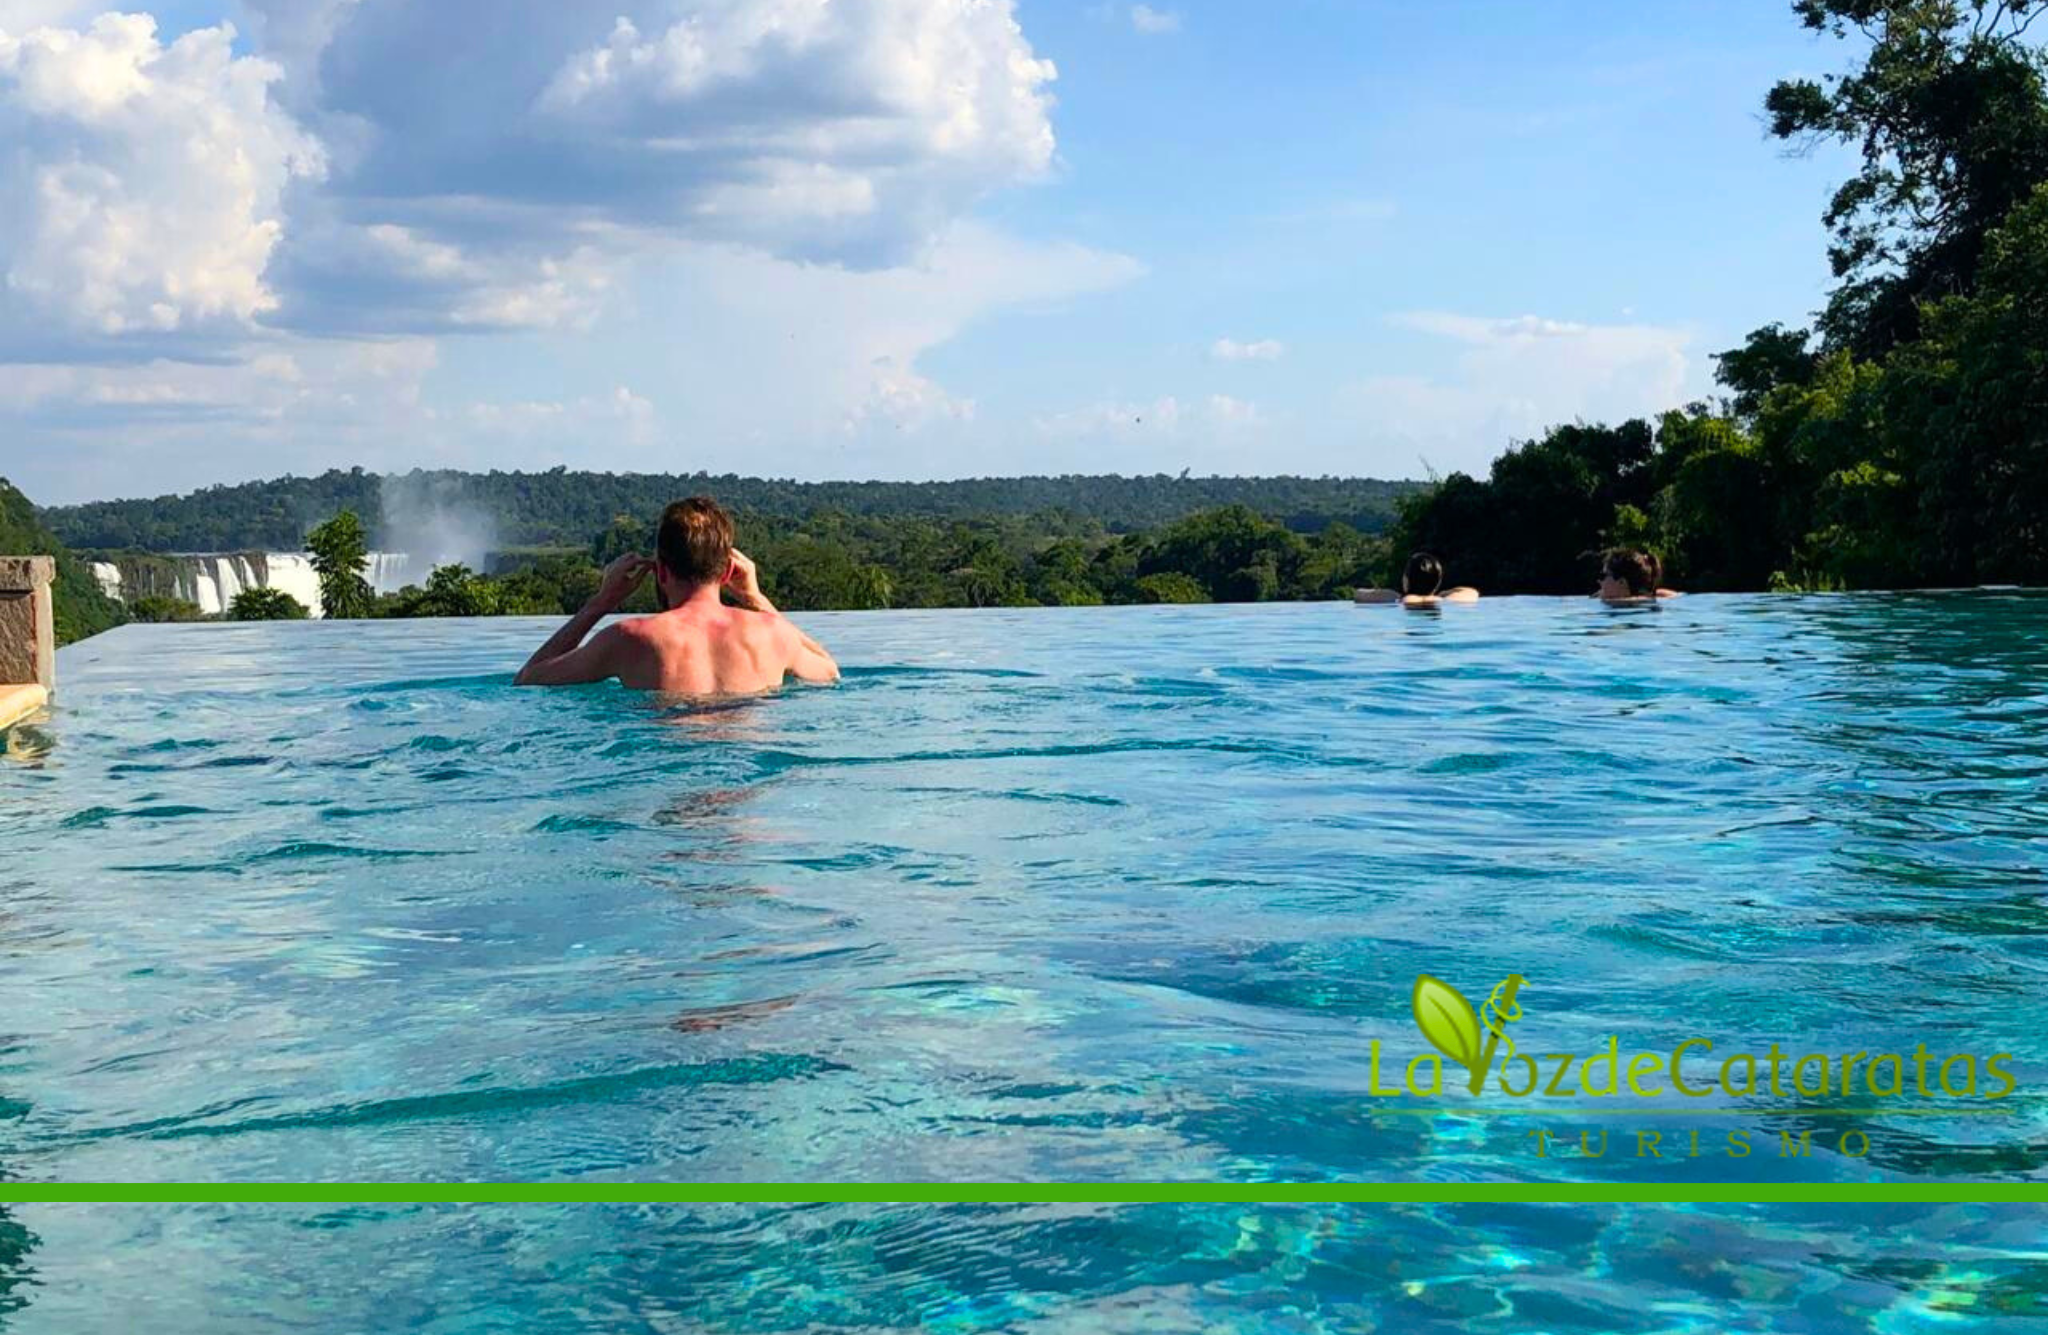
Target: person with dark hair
column 1631, row 575
column 696, row 645
column 1422, row 585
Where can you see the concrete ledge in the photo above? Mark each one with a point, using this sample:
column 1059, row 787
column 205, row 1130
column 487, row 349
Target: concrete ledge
column 28, row 632
column 18, row 702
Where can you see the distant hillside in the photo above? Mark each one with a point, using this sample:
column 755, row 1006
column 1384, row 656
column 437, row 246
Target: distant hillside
column 81, row 608
column 564, row 508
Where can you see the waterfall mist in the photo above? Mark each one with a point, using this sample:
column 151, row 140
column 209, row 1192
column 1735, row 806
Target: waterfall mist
column 427, row 522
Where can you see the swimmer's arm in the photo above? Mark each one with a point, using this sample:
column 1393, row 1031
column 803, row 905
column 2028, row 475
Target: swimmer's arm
column 565, row 660
column 808, row 659
column 555, row 665
column 1461, row 594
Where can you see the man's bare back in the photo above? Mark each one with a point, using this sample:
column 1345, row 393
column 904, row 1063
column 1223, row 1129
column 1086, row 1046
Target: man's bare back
column 698, row 647
column 716, row 650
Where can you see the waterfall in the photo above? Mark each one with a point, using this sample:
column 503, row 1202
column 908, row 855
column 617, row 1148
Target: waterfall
column 211, row 580
column 389, row 571
column 293, row 572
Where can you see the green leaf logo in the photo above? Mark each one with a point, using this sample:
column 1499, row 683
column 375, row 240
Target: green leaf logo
column 1447, row 1021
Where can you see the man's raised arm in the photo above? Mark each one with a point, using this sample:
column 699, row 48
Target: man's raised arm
column 565, row 660
column 808, row 659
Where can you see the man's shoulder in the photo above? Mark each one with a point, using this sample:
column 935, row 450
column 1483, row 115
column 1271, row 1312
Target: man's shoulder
column 764, row 627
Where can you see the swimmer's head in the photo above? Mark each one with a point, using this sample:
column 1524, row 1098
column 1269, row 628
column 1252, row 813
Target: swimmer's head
column 1627, row 572
column 693, row 546
column 1424, row 576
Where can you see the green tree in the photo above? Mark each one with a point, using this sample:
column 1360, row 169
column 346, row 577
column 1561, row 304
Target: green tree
column 340, row 554
column 1171, row 587
column 626, row 535
column 158, row 608
column 1534, row 525
column 1769, row 357
column 1337, row 561
column 80, row 606
column 1234, row 553
column 266, row 605
column 1947, row 109
column 450, row 591
column 1967, row 414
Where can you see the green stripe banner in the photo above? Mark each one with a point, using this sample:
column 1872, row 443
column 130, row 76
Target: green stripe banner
column 1003, row 1193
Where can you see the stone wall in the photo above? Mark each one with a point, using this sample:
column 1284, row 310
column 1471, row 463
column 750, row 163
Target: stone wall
column 28, row 634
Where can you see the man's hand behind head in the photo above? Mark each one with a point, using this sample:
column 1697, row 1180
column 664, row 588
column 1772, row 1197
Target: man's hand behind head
column 621, row 578
column 745, row 583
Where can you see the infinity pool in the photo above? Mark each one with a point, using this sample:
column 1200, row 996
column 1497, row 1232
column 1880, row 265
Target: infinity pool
column 1087, row 894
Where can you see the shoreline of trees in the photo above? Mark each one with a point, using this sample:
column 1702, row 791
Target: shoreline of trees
column 837, row 562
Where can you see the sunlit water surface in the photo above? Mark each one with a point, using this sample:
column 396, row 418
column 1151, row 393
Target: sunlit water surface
column 1053, row 894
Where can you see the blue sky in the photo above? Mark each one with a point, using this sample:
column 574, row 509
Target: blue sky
column 876, row 238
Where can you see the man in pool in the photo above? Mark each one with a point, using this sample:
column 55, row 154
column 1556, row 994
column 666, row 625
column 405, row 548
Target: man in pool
column 1630, row 575
column 696, row 645
column 1422, row 585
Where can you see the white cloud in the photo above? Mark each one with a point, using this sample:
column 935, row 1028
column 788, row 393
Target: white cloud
column 620, row 418
column 728, row 360
column 1153, row 22
column 144, row 182
column 22, row 16
column 1225, row 410
column 851, row 132
column 1514, row 378
column 1257, row 350
column 308, row 405
column 221, row 264
column 821, row 365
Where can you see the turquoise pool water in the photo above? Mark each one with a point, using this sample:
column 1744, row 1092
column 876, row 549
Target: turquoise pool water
column 1048, row 894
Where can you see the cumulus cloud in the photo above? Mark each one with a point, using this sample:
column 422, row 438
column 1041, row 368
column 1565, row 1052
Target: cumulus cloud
column 1515, row 377
column 144, row 182
column 382, row 278
column 850, row 132
column 226, row 254
column 1153, row 22
column 21, row 16
column 1256, row 350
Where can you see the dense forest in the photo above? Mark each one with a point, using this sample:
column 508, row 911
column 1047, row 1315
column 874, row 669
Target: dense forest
column 833, row 560
column 1902, row 441
column 563, row 508
column 81, row 609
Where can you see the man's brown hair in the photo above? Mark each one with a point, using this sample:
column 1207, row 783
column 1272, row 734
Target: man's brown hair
column 1638, row 569
column 695, row 541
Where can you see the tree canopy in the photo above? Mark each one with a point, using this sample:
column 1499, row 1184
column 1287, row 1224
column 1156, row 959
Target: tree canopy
column 261, row 604
column 560, row 508
column 340, row 554
column 77, row 602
